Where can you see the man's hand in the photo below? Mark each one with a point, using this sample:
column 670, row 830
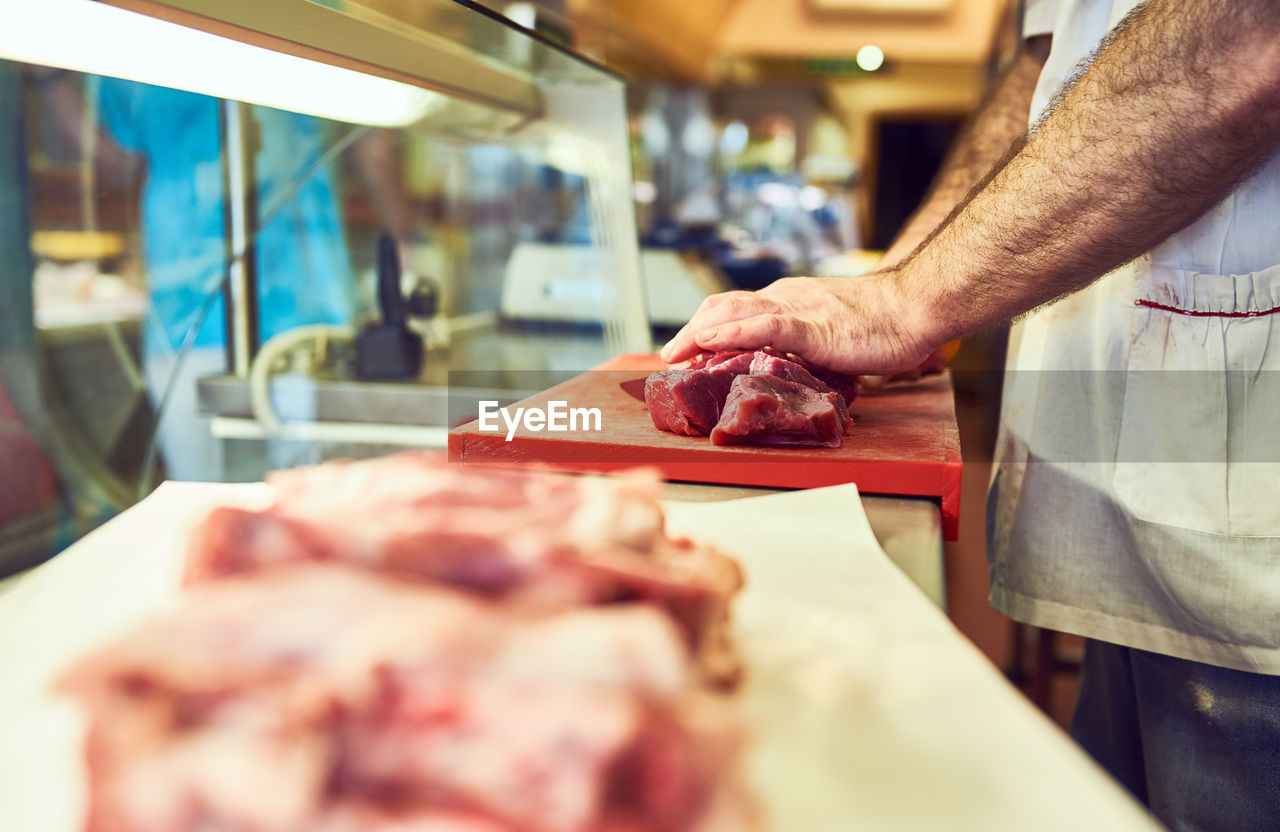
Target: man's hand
column 855, row 325
column 867, row 337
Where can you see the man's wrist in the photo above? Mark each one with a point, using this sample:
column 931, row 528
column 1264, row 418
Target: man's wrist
column 913, row 297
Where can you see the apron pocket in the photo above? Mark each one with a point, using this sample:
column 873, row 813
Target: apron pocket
column 1199, row 440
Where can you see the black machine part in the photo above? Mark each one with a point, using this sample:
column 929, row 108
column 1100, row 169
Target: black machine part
column 424, row 299
column 388, row 349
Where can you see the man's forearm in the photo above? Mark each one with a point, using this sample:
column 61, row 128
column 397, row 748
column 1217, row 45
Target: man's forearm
column 1180, row 104
column 999, row 122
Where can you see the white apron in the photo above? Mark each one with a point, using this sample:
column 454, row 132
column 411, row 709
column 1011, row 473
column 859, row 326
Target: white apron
column 1136, row 493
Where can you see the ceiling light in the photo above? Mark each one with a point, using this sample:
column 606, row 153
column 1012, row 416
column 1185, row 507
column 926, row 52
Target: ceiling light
column 870, row 58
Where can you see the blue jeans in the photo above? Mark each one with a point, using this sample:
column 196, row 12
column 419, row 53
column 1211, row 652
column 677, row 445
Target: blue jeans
column 1198, row 744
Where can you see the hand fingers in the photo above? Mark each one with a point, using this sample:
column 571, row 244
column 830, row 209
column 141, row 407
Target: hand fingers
column 715, row 310
column 787, row 334
column 680, row 348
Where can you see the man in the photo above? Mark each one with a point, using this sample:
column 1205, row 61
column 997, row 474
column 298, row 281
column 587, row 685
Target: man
column 1136, row 498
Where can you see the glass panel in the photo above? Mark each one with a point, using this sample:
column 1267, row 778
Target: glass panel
column 119, row 285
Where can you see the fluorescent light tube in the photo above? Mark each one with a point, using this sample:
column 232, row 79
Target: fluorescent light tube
column 93, row 37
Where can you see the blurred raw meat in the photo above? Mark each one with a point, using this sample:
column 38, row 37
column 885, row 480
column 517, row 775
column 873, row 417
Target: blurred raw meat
column 323, row 698
column 536, row 540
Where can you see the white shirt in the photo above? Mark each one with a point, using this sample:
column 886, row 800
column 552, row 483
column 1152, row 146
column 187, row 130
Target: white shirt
column 1136, row 496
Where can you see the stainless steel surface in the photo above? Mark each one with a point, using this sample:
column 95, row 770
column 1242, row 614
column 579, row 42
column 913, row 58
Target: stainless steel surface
column 909, row 529
column 241, row 291
column 342, row 400
column 530, row 356
column 910, row 532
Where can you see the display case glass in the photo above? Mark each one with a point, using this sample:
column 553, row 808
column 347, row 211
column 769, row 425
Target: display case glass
column 192, row 284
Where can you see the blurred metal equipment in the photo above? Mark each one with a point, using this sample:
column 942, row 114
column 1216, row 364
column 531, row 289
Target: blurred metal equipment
column 239, row 210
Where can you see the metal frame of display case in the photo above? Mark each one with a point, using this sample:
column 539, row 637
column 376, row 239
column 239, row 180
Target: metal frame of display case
column 359, row 39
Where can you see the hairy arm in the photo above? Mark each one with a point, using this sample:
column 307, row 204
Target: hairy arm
column 1180, row 104
column 1000, row 121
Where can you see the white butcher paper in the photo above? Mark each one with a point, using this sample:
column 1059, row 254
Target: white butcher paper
column 865, row 708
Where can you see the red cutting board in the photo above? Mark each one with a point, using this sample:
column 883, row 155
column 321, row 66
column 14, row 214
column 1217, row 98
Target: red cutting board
column 904, row 441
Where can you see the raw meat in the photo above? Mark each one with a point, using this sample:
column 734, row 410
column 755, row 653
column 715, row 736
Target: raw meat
column 764, row 364
column 322, row 697
column 843, row 383
column 537, row 540
column 715, row 359
column 846, row 384
column 694, row 400
column 366, row 817
column 770, row 410
column 689, row 401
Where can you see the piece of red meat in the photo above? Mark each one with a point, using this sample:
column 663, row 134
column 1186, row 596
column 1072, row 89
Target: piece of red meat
column 706, row 360
column 693, row 400
column 313, row 696
column 689, row 400
column 769, row 410
column 845, row 384
column 765, row 364
column 686, row 402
